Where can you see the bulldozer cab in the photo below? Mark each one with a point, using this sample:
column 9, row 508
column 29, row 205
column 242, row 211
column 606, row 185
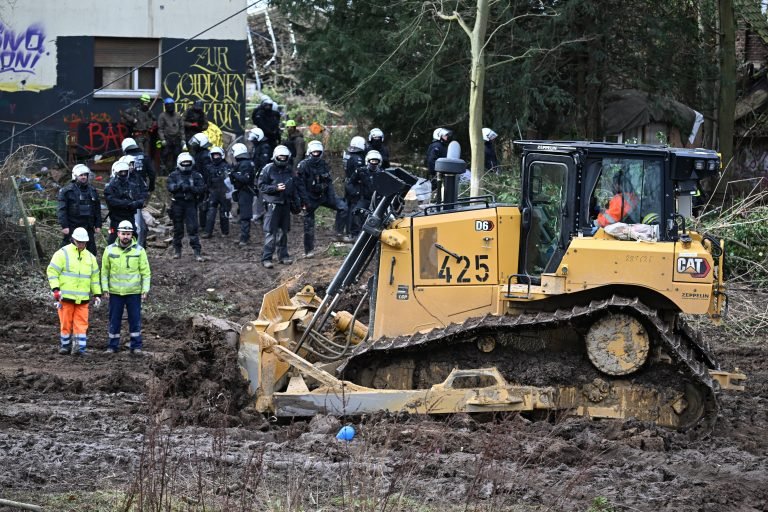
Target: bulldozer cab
column 575, row 189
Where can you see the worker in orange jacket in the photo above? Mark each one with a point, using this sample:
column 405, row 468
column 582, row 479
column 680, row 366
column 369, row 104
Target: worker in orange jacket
column 621, row 204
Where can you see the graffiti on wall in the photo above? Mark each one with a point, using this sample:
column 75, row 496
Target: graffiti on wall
column 21, row 52
column 96, row 137
column 212, row 79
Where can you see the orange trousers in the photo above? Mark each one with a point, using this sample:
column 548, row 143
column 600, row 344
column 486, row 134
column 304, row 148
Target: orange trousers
column 74, row 323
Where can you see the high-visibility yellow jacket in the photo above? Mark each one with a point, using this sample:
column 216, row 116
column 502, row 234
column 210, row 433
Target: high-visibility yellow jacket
column 75, row 273
column 125, row 271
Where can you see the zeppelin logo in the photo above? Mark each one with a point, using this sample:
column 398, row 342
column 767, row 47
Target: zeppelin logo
column 696, row 267
column 484, row 225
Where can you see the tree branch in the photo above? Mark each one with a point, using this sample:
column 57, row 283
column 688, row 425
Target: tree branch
column 531, row 51
column 452, row 17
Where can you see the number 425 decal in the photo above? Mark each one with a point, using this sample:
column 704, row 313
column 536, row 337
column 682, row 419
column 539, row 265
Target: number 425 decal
column 481, row 268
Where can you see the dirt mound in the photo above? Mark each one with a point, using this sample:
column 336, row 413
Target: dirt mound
column 201, row 384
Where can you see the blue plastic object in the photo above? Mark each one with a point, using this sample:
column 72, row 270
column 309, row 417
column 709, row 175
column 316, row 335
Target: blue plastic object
column 346, row 433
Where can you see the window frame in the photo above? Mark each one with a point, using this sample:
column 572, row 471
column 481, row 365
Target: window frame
column 133, row 93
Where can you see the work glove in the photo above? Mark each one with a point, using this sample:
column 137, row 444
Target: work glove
column 57, row 295
column 96, row 302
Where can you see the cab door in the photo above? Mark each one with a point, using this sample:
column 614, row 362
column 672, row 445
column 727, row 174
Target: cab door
column 547, row 211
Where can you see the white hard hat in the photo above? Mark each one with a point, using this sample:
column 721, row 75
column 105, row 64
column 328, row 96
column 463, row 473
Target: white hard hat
column 314, row 145
column 125, row 225
column 184, row 160
column 376, row 134
column 239, row 150
column 79, row 170
column 128, row 144
column 255, row 134
column 281, row 151
column 373, row 155
column 217, row 150
column 357, row 144
column 80, row 234
column 489, row 134
column 120, row 166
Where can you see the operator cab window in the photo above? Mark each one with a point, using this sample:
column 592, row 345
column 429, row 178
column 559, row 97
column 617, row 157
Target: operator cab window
column 547, row 193
column 626, row 190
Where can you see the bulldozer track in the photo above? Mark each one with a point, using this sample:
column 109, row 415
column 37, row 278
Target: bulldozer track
column 680, row 343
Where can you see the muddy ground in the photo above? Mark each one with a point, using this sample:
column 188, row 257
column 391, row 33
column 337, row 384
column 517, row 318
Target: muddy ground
column 172, row 430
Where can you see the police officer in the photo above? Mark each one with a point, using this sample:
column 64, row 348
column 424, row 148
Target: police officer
column 491, row 161
column 124, row 196
column 186, row 186
column 79, row 207
column 194, row 120
column 438, row 148
column 242, row 176
column 217, row 172
column 353, row 158
column 360, row 187
column 281, row 195
column 266, row 117
column 170, row 129
column 295, row 143
column 316, row 190
column 262, row 154
column 198, row 146
column 139, row 120
column 376, row 142
column 142, row 164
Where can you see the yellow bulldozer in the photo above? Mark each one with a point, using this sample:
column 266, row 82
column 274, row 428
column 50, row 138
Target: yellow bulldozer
column 570, row 302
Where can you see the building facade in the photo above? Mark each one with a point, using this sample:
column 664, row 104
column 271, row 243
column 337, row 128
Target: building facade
column 73, row 67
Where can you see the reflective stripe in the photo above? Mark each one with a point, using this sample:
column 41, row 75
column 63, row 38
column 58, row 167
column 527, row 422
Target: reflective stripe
column 134, row 334
column 75, row 292
column 114, row 335
column 608, row 218
column 65, row 339
column 78, row 276
column 58, row 268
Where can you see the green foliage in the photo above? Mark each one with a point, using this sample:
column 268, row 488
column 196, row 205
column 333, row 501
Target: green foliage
column 399, row 66
column 504, row 186
column 600, row 504
column 41, row 208
column 746, row 243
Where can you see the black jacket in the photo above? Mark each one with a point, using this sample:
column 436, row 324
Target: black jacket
column 490, row 156
column 142, row 167
column 262, row 155
column 124, row 196
column 216, row 174
column 435, row 150
column 243, row 175
column 315, row 181
column 194, row 122
column 269, row 122
column 360, row 184
column 352, row 161
column 187, row 187
column 270, row 176
column 79, row 206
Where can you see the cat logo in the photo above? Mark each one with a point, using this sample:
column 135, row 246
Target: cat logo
column 696, row 267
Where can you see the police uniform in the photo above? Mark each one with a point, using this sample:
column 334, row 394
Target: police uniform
column 79, row 207
column 242, row 177
column 278, row 204
column 186, row 189
column 316, row 190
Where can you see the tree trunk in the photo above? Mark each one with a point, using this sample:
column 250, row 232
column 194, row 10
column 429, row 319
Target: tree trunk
column 476, row 89
column 727, row 79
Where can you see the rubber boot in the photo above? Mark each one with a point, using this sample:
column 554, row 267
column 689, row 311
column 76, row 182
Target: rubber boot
column 198, row 256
